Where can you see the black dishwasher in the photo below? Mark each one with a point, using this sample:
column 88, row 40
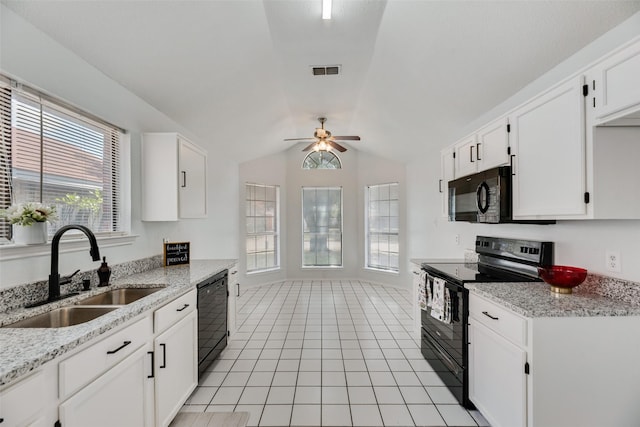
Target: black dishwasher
column 212, row 319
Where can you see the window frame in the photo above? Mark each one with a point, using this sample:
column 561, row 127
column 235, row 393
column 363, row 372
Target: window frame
column 72, row 242
column 367, row 231
column 276, row 233
column 335, row 156
column 332, row 267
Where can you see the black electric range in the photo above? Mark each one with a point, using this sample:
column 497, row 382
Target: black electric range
column 444, row 343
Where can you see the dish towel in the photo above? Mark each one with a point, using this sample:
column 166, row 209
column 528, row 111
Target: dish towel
column 441, row 301
column 423, row 293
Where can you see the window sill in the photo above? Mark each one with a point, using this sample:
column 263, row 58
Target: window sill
column 267, row 270
column 382, row 270
column 13, row 251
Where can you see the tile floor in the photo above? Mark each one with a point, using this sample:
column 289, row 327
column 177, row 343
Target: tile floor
column 327, row 353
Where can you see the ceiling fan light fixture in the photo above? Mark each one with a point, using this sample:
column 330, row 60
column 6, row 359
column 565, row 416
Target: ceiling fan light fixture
column 326, row 9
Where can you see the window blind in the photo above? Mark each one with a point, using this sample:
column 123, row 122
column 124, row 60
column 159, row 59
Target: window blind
column 5, row 155
column 60, row 157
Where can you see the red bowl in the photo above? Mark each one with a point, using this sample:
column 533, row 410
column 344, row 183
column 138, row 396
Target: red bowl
column 561, row 277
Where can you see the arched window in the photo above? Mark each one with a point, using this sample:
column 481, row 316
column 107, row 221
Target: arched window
column 321, row 160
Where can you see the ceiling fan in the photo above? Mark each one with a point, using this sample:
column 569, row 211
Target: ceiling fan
column 324, row 141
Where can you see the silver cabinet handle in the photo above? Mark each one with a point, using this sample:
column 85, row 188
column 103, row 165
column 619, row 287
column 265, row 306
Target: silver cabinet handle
column 478, row 151
column 471, row 153
column 184, row 178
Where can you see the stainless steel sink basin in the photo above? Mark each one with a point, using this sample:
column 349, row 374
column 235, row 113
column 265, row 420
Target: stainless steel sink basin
column 119, row 296
column 60, row 317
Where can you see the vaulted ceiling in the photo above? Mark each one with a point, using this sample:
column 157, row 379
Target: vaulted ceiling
column 237, row 73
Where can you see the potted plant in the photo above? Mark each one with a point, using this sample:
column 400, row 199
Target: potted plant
column 29, row 222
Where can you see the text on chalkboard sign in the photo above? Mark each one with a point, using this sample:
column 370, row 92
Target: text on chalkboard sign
column 176, row 253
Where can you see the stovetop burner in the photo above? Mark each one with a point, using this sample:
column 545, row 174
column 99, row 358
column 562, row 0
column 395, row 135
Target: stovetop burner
column 463, row 272
column 499, row 260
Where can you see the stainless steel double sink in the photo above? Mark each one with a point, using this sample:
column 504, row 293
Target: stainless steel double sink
column 85, row 310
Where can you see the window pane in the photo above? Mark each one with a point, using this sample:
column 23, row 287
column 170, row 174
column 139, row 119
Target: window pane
column 321, row 160
column 382, row 227
column 322, row 229
column 262, row 227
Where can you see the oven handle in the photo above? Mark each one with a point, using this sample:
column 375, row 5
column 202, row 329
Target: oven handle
column 446, row 360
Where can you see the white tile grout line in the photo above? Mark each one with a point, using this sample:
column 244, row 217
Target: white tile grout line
column 335, row 303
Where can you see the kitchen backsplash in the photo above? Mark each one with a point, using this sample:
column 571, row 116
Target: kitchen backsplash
column 28, row 293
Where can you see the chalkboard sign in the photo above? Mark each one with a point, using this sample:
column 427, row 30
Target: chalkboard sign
column 176, row 253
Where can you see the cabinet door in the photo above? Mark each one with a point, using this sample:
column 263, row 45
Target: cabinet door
column 616, row 84
column 192, row 181
column 466, row 157
column 446, row 175
column 492, row 146
column 497, row 382
column 548, row 146
column 123, row 396
column 176, row 367
column 22, row 401
column 231, row 301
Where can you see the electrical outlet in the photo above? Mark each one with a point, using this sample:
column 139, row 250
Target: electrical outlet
column 457, row 239
column 613, row 262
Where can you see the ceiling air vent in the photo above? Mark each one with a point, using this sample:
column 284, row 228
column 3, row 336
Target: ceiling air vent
column 327, row 70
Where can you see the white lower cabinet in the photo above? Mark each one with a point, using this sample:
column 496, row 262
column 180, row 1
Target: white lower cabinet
column 176, row 368
column 23, row 403
column 140, row 375
column 123, row 396
column 232, row 288
column 497, row 382
column 556, row 371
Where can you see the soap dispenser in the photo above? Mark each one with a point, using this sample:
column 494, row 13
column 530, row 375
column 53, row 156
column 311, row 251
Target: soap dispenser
column 104, row 272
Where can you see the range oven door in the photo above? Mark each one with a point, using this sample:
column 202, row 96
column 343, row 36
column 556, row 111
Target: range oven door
column 444, row 345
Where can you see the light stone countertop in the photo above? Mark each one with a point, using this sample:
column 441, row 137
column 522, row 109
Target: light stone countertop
column 535, row 299
column 25, row 349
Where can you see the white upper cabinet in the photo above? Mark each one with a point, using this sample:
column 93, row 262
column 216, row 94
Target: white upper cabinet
column 492, row 146
column 446, row 175
column 615, row 87
column 485, row 149
column 192, row 197
column 174, row 178
column 548, row 147
column 466, row 161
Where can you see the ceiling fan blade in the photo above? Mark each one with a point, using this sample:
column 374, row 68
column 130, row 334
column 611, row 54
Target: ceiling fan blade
column 347, row 138
column 309, row 147
column 337, row 146
column 300, row 139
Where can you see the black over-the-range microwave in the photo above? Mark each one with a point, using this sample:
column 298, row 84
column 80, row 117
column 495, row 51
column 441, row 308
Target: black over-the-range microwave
column 484, row 197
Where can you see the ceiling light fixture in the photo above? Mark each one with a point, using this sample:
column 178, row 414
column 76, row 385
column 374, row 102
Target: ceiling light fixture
column 326, row 9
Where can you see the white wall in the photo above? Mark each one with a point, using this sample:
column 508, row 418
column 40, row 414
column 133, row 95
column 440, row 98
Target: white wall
column 358, row 170
column 41, row 62
column 578, row 243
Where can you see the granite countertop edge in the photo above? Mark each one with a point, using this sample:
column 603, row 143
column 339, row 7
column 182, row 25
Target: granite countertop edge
column 26, row 349
column 535, row 300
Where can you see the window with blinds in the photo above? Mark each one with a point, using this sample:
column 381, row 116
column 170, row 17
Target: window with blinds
column 58, row 156
column 382, row 227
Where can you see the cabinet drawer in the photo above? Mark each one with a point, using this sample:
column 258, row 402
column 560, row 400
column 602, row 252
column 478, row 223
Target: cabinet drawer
column 499, row 319
column 233, row 275
column 22, row 402
column 174, row 311
column 83, row 367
